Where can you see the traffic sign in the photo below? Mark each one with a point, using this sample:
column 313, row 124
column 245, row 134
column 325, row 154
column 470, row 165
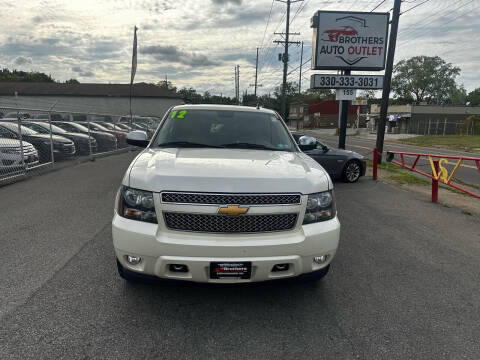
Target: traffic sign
column 334, row 81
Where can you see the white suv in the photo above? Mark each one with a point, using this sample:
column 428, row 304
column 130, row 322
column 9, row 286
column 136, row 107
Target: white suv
column 223, row 194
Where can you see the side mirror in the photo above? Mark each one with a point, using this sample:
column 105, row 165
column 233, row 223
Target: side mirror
column 307, row 143
column 137, row 138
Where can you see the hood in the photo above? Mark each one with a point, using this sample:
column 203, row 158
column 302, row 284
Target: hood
column 13, row 143
column 74, row 136
column 103, row 135
column 226, row 170
column 55, row 138
column 333, row 151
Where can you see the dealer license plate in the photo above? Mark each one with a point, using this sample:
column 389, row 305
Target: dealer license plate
column 230, row 270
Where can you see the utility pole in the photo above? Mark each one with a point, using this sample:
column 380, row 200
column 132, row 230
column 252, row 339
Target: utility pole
column 237, row 83
column 256, row 74
column 343, row 120
column 285, row 55
column 256, row 84
column 300, row 76
column 387, row 78
column 166, row 82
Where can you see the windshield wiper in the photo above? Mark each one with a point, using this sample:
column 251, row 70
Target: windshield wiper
column 245, row 145
column 186, row 144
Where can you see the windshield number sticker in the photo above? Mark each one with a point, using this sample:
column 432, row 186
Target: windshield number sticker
column 179, row 115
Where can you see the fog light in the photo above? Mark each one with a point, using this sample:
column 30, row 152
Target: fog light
column 133, row 260
column 280, row 267
column 178, row 268
column 320, row 259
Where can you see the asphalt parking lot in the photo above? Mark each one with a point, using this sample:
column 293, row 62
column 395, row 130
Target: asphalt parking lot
column 404, row 284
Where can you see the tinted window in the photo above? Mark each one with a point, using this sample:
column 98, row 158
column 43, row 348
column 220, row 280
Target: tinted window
column 14, row 127
column 223, row 127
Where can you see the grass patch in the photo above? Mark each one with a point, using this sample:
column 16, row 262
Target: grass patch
column 453, row 142
column 466, row 212
column 385, row 166
column 408, row 179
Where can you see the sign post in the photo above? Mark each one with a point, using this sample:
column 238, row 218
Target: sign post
column 348, row 41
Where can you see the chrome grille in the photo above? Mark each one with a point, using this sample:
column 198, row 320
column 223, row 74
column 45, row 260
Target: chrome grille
column 214, row 223
column 237, row 199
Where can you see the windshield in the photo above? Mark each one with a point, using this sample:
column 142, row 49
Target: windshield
column 224, row 128
column 98, row 127
column 14, row 127
column 77, row 126
column 55, row 128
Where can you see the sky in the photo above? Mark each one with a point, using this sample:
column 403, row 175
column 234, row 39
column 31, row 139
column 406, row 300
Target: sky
column 197, row 43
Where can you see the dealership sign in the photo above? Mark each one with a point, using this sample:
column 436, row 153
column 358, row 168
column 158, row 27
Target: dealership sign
column 349, row 40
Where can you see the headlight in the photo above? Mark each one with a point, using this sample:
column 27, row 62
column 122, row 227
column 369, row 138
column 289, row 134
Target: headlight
column 320, row 207
column 137, row 205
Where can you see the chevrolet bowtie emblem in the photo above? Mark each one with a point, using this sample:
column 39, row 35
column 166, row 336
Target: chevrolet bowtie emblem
column 232, row 210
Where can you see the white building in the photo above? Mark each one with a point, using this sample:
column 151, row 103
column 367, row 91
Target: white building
column 147, row 99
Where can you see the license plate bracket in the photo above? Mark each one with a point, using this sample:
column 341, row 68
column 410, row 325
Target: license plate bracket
column 231, row 270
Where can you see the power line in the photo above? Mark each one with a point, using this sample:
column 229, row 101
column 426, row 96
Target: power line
column 268, row 22
column 376, row 7
column 443, row 25
column 413, row 7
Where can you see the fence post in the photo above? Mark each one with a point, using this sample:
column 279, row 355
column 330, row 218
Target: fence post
column 89, row 135
column 51, row 137
column 436, row 130
column 435, row 183
column 375, row 163
column 444, row 126
column 429, row 120
column 418, row 126
column 24, row 166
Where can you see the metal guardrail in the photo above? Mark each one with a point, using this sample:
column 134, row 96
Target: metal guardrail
column 439, row 172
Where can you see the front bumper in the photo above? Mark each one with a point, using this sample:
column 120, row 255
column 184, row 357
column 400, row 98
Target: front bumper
column 364, row 167
column 158, row 249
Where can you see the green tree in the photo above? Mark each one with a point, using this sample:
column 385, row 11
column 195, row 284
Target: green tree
column 72, row 81
column 424, row 78
column 22, row 76
column 166, row 85
column 458, row 96
column 474, row 97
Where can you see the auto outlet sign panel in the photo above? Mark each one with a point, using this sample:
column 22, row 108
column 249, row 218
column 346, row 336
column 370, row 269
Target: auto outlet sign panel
column 349, row 40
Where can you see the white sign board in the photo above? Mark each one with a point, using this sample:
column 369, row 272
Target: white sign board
column 346, row 94
column 359, row 102
column 335, row 81
column 347, row 40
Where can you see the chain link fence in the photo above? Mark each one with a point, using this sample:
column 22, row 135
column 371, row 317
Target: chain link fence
column 32, row 139
column 444, row 126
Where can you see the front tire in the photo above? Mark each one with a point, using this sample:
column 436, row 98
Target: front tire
column 352, row 171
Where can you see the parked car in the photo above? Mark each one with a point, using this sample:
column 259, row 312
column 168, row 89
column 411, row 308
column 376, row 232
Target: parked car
column 105, row 141
column 126, row 127
column 75, row 117
column 48, row 117
column 83, row 143
column 223, row 194
column 11, row 155
column 62, row 147
column 139, row 124
column 15, row 115
column 111, row 126
column 121, row 135
column 340, row 164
